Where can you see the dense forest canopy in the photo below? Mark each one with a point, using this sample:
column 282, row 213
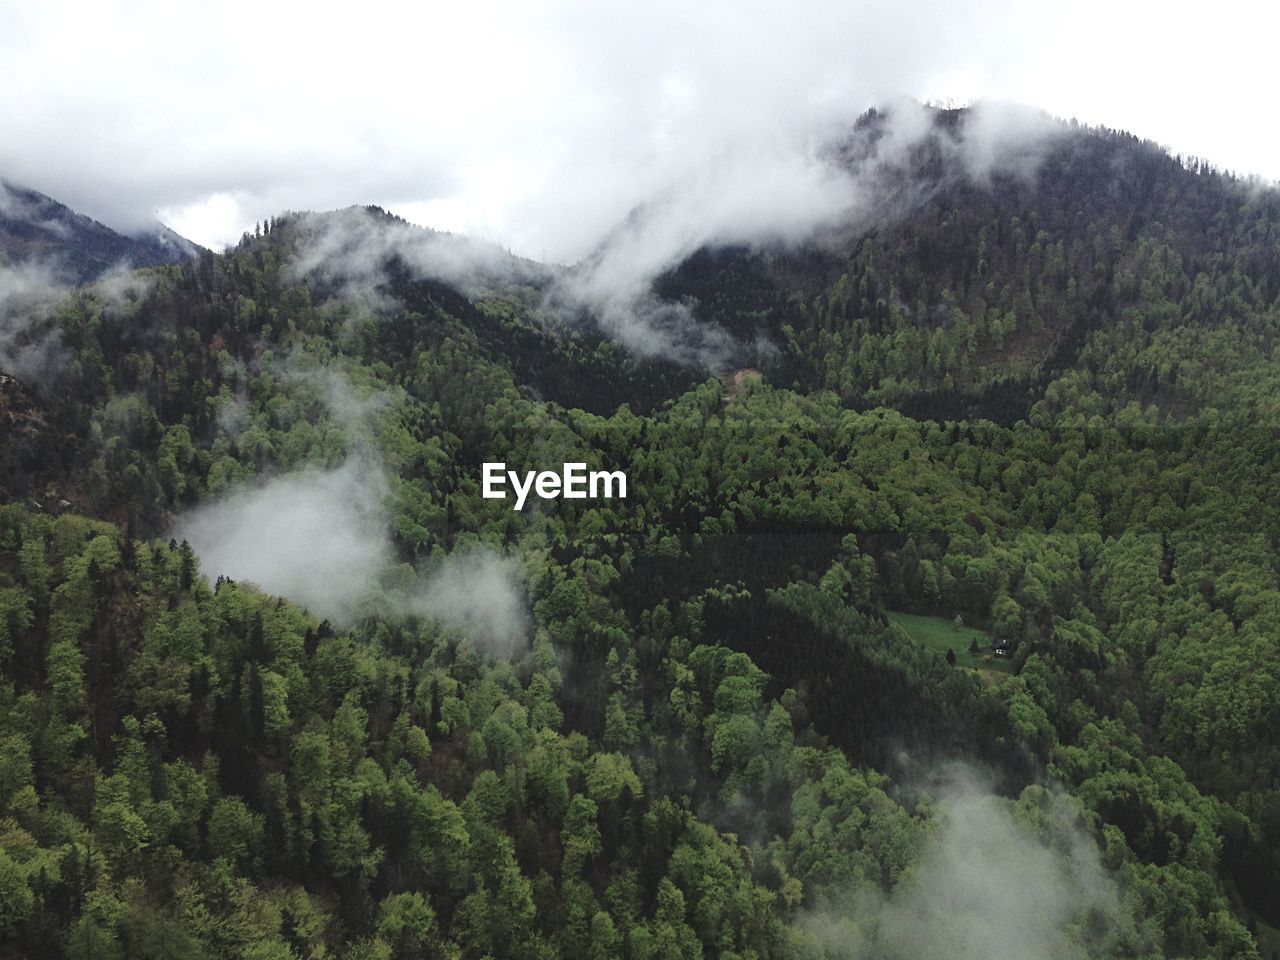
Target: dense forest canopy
column 279, row 682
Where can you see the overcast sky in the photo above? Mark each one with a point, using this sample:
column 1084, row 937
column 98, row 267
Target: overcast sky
column 540, row 124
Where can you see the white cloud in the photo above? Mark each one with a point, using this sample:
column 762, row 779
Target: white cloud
column 317, row 537
column 987, row 886
column 478, row 592
column 210, row 222
column 351, row 247
column 541, row 125
column 988, row 882
column 322, row 537
column 27, row 292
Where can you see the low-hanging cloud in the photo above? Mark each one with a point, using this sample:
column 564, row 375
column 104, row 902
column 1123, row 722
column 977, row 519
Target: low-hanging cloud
column 121, row 284
column 988, row 887
column 28, row 292
column 317, row 537
column 787, row 196
column 354, row 411
column 31, row 291
column 988, row 883
column 548, row 121
column 14, row 206
column 778, row 192
column 322, row 537
column 477, row 591
column 1002, row 137
column 783, row 196
column 353, row 248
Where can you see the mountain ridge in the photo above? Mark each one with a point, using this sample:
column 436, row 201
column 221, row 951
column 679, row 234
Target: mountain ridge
column 708, row 740
column 38, row 229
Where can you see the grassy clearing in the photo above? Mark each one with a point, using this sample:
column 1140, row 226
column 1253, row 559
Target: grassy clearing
column 938, row 633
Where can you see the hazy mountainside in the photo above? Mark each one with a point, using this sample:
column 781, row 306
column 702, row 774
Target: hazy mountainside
column 35, row 228
column 364, row 255
column 970, row 297
column 680, row 724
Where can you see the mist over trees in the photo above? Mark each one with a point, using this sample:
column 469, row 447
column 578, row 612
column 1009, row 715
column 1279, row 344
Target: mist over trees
column 279, row 682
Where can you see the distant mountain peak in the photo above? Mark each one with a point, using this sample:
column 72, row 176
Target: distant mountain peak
column 35, row 228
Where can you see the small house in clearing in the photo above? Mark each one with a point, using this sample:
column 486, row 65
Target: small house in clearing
column 1001, row 647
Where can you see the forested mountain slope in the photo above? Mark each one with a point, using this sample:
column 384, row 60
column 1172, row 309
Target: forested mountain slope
column 1114, row 268
column 37, row 229
column 679, row 724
